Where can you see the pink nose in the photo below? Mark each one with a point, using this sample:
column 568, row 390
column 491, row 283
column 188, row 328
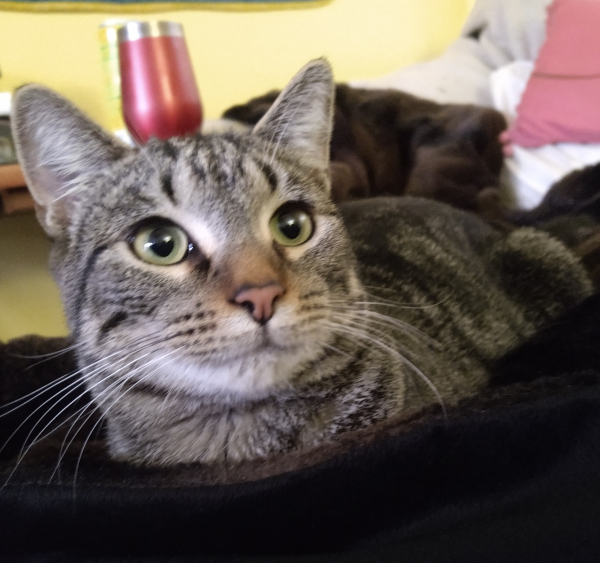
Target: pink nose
column 260, row 301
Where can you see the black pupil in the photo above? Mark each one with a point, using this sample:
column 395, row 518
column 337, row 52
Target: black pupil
column 289, row 225
column 161, row 241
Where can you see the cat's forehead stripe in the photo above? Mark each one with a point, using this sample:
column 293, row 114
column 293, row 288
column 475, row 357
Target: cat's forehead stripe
column 196, row 169
column 224, row 163
column 166, row 184
column 269, row 174
column 171, row 149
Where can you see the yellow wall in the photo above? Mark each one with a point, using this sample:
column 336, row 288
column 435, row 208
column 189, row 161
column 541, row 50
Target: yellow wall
column 235, row 54
column 29, row 301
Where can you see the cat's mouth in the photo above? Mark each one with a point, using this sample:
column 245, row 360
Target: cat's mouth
column 287, row 338
column 268, row 342
column 265, row 341
column 258, row 362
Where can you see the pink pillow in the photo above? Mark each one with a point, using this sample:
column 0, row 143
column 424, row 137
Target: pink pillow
column 561, row 102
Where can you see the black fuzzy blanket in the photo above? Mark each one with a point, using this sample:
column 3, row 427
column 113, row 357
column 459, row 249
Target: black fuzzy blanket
column 511, row 475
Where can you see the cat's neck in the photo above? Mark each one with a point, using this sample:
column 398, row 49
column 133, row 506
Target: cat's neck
column 162, row 428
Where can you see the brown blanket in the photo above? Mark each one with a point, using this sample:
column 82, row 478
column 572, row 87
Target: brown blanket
column 387, row 142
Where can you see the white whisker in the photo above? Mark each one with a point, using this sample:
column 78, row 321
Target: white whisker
column 350, row 321
column 391, row 322
column 27, row 447
column 63, row 378
column 361, row 334
column 109, row 391
column 40, row 391
column 79, row 397
column 145, row 377
column 62, row 395
column 390, row 303
column 337, row 350
column 48, row 355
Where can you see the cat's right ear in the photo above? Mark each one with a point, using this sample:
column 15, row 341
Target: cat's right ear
column 301, row 118
column 57, row 146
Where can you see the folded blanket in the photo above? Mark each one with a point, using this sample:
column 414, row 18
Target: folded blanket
column 496, row 33
column 510, row 475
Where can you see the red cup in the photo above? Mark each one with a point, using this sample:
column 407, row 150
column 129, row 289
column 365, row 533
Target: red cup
column 158, row 88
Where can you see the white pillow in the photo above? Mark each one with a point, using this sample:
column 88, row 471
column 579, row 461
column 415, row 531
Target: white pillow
column 508, row 30
column 456, row 77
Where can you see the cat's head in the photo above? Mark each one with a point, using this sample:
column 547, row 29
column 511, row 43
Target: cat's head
column 206, row 264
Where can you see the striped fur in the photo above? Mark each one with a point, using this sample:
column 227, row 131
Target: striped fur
column 391, row 304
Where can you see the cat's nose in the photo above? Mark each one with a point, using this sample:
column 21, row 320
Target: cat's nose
column 260, row 300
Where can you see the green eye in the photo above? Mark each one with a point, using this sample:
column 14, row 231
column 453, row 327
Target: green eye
column 161, row 244
column 291, row 225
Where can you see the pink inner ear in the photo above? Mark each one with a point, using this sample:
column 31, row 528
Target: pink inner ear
column 54, row 202
column 47, row 186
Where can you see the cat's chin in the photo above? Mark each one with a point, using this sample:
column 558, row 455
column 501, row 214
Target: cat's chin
column 267, row 368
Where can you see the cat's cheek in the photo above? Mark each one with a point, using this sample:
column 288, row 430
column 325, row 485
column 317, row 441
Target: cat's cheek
column 282, row 323
column 355, row 287
column 288, row 330
column 119, row 446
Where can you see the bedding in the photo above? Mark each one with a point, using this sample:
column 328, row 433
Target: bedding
column 530, row 171
column 478, row 68
column 389, row 142
column 496, row 33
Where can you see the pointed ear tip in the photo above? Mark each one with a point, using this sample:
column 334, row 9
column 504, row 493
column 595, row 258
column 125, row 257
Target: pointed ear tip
column 30, row 89
column 321, row 65
column 30, row 94
column 320, row 61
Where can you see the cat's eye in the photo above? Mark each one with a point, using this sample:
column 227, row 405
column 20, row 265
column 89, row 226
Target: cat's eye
column 291, row 225
column 162, row 244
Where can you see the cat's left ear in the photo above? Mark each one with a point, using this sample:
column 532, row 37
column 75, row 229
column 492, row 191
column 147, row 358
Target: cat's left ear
column 301, row 118
column 57, row 146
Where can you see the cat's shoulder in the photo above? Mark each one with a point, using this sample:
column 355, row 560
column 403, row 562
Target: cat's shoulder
column 411, row 210
column 377, row 219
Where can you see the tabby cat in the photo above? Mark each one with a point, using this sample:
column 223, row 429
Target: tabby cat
column 223, row 308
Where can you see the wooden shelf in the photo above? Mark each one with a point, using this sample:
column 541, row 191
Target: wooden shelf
column 14, row 195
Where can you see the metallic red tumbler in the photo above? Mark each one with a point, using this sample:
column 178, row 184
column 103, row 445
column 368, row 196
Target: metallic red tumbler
column 159, row 93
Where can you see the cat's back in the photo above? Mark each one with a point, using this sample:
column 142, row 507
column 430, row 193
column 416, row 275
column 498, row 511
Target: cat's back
column 474, row 291
column 419, row 248
column 407, row 241
column 387, row 224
